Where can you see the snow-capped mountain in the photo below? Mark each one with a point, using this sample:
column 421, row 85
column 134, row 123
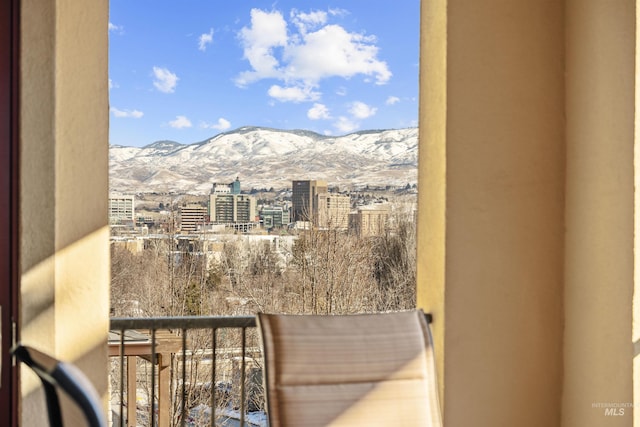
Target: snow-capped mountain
column 265, row 158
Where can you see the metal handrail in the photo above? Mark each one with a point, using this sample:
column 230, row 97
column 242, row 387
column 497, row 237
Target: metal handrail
column 184, row 324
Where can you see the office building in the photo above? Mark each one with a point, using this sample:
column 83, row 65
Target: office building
column 333, row 211
column 121, row 208
column 305, row 203
column 275, row 217
column 370, row 220
column 193, row 216
column 227, row 208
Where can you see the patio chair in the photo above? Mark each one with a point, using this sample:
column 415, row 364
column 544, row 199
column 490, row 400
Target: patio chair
column 56, row 374
column 349, row 370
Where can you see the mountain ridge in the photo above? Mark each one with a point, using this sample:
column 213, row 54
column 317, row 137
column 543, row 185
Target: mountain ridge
column 267, row 157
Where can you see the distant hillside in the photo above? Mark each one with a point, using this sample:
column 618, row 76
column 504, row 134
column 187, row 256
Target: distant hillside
column 264, row 158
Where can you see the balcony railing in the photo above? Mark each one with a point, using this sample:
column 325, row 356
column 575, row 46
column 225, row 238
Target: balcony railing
column 186, row 371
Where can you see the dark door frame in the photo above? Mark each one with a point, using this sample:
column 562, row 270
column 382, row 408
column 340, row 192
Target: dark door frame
column 9, row 180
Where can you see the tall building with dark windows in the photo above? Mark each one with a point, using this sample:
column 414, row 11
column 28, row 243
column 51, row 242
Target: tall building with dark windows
column 305, row 200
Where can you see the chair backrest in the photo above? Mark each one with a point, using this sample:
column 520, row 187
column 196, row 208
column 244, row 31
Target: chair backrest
column 55, row 374
column 349, row 370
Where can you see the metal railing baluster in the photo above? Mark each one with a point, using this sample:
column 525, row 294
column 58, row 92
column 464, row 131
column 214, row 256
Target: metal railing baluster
column 152, row 420
column 151, row 326
column 242, row 377
column 184, row 377
column 122, row 379
column 213, row 376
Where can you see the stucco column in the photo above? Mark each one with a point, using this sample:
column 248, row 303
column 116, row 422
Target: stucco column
column 491, row 207
column 599, row 244
column 64, row 250
column 636, row 290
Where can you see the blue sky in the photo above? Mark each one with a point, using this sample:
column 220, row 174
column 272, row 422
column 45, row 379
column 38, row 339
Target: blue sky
column 188, row 70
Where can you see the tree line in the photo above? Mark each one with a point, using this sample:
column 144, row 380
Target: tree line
column 326, row 272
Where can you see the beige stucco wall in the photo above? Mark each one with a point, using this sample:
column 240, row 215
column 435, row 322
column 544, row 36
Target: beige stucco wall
column 64, row 188
column 636, row 294
column 526, row 209
column 599, row 281
column 491, row 207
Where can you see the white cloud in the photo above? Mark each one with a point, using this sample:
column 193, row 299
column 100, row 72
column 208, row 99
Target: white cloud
column 345, row 125
column 306, row 21
column 332, row 51
column 180, row 122
column 268, row 30
column 360, row 110
column 165, row 81
column 205, row 39
column 338, row 12
column 113, row 85
column 135, row 114
column 293, row 94
column 318, row 111
column 341, row 91
column 115, row 28
column 221, row 124
column 392, row 100
column 314, row 52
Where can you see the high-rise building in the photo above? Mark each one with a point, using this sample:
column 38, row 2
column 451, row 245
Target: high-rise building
column 121, row 208
column 333, row 211
column 305, row 203
column 232, row 188
column 232, row 208
column 192, row 217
